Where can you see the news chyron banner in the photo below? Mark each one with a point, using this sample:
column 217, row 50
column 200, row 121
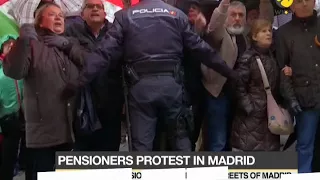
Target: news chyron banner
column 241, row 165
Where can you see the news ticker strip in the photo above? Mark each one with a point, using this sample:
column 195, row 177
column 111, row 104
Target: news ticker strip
column 164, row 160
column 250, row 174
column 259, row 173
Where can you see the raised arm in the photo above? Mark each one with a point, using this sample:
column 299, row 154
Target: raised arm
column 17, row 62
column 266, row 10
column 216, row 28
column 208, row 56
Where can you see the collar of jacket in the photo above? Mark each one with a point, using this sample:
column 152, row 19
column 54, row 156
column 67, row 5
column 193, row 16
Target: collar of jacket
column 308, row 20
column 260, row 50
column 45, row 32
column 103, row 29
column 42, row 32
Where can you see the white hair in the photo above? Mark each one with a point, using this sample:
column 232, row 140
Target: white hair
column 235, row 30
column 39, row 12
column 238, row 4
column 85, row 3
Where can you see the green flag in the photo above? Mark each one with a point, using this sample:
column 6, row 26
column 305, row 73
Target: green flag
column 8, row 26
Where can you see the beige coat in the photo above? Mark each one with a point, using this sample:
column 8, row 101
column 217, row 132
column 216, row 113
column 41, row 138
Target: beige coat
column 226, row 44
column 228, row 50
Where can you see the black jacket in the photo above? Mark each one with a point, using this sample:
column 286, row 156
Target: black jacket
column 152, row 31
column 295, row 46
column 107, row 86
column 250, row 125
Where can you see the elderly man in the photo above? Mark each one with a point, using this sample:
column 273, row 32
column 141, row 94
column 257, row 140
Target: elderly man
column 106, row 88
column 224, row 31
column 296, row 47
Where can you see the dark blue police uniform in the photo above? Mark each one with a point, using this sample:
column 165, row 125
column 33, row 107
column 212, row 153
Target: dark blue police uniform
column 152, row 36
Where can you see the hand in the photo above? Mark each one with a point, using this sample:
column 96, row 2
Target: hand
column 295, row 107
column 200, row 22
column 225, row 2
column 56, row 41
column 28, row 31
column 7, row 48
column 287, row 71
column 224, row 5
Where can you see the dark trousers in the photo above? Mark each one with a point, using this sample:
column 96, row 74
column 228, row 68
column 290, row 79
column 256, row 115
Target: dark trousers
column 105, row 139
column 197, row 99
column 12, row 133
column 22, row 151
column 43, row 159
column 156, row 98
column 199, row 108
column 316, row 154
column 110, row 114
column 307, row 125
column 218, row 115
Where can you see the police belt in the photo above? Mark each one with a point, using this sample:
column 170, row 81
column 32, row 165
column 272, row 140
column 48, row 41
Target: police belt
column 155, row 68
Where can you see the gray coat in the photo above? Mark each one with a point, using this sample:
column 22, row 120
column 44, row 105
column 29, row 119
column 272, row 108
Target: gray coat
column 46, row 71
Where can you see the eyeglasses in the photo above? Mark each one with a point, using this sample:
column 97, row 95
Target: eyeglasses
column 91, row 6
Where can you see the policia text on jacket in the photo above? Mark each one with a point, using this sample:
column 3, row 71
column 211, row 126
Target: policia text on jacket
column 154, row 160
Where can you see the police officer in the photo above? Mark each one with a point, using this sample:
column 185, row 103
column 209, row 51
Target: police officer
column 152, row 35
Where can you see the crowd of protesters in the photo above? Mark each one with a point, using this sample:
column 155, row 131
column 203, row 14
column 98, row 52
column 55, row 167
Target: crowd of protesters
column 39, row 106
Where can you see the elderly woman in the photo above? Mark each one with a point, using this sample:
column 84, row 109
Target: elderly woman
column 250, row 127
column 46, row 71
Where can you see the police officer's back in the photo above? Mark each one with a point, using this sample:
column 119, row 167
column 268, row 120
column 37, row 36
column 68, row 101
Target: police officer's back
column 152, row 36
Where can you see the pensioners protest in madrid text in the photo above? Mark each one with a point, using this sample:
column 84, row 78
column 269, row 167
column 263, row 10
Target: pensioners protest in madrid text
column 96, row 160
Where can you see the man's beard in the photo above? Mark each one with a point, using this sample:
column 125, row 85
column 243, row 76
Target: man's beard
column 235, row 30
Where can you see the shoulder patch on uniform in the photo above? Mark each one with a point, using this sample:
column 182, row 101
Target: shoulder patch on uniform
column 154, row 11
